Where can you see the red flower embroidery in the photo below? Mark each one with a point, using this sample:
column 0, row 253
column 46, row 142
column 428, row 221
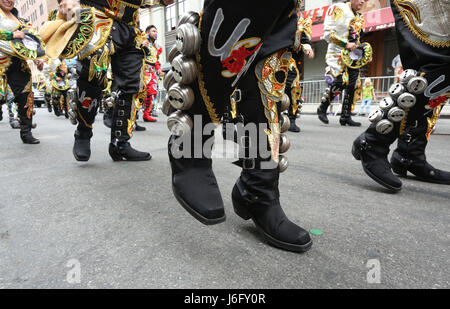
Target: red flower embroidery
column 236, row 61
column 86, row 103
column 438, row 101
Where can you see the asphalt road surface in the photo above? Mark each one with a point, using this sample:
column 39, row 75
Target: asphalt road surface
column 101, row 224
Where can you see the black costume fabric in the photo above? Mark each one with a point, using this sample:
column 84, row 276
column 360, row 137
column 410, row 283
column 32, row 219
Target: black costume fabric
column 126, row 60
column 19, row 79
column 274, row 27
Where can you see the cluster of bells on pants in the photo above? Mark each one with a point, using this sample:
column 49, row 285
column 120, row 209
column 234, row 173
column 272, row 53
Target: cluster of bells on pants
column 402, row 97
column 184, row 71
column 285, row 124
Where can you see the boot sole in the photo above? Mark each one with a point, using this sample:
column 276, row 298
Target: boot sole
column 120, row 158
column 78, row 158
column 418, row 178
column 270, row 239
column 357, row 156
column 195, row 214
column 324, row 122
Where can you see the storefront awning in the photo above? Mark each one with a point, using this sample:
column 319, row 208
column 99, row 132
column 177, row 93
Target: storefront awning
column 375, row 20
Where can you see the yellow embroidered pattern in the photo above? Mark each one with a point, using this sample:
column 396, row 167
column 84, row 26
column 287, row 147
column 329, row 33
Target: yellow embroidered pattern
column 82, row 37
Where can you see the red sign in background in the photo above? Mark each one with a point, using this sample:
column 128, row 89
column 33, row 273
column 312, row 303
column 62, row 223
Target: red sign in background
column 375, row 20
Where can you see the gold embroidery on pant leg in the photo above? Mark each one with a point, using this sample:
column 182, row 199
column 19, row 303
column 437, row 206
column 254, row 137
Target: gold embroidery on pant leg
column 30, row 104
column 296, row 90
column 135, row 106
column 272, row 75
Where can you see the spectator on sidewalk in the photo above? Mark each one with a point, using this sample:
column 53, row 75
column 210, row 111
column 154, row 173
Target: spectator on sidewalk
column 368, row 97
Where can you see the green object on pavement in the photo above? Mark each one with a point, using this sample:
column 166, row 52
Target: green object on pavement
column 316, row 232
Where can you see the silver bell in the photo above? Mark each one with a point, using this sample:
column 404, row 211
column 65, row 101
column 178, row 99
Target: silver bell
column 396, row 90
column 189, row 18
column 385, row 127
column 417, row 85
column 285, row 143
column 109, row 102
column 181, row 97
column 285, row 103
column 285, row 123
column 73, row 117
column 174, row 52
column 376, row 116
column 167, row 108
column 406, row 76
column 188, row 39
column 169, row 80
column 73, row 104
column 387, row 103
column 396, row 114
column 184, row 70
column 179, row 123
column 283, row 163
column 406, row 100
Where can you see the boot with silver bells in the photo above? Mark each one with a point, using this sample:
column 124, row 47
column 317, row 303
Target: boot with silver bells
column 218, row 88
column 412, row 109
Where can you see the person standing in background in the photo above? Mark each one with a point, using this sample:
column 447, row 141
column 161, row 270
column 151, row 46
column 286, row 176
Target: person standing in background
column 152, row 73
column 368, row 97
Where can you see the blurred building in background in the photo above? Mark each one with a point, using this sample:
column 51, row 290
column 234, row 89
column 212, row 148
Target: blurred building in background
column 380, row 32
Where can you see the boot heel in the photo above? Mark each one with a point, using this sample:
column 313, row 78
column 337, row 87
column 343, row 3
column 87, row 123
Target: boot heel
column 241, row 211
column 400, row 170
column 397, row 166
column 114, row 155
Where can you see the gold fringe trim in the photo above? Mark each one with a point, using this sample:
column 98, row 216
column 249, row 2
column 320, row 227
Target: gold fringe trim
column 208, row 103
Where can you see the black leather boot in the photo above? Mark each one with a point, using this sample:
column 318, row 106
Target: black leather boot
column 349, row 121
column 120, row 148
column 372, row 149
column 56, row 108
column 137, row 127
column 122, row 151
column 201, row 198
column 48, row 100
column 410, row 157
column 346, row 115
column 1, row 112
column 293, row 128
column 255, row 196
column 25, row 106
column 322, row 113
column 322, row 109
column 82, row 146
column 25, row 131
column 66, row 110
